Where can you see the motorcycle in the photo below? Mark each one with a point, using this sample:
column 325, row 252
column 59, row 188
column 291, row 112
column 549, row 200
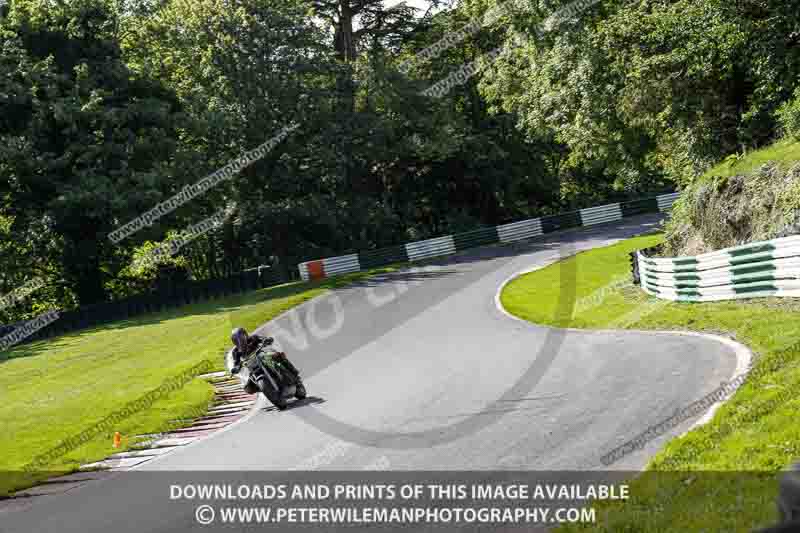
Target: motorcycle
column 788, row 502
column 263, row 372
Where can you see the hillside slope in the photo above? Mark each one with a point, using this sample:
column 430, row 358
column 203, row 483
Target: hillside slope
column 744, row 199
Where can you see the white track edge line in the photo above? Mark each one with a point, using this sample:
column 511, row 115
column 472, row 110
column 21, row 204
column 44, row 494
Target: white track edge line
column 744, row 356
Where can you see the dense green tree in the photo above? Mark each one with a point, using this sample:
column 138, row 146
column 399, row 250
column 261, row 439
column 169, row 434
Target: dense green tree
column 84, row 142
column 108, row 107
column 244, row 74
column 653, row 88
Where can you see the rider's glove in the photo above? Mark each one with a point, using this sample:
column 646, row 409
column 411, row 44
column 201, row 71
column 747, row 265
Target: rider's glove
column 236, row 369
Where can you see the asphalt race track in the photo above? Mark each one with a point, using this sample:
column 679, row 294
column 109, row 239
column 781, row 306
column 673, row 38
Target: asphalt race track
column 420, row 370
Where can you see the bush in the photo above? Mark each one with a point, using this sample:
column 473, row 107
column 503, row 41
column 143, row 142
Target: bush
column 789, row 116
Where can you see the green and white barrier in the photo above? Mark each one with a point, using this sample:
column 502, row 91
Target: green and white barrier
column 767, row 268
column 515, row 231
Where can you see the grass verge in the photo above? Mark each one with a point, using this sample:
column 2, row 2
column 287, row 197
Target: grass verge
column 57, row 388
column 785, row 153
column 752, row 436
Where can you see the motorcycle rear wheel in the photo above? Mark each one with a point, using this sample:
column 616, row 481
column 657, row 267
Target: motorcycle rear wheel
column 272, row 395
column 300, row 391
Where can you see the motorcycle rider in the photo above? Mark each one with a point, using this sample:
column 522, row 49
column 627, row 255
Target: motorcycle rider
column 244, row 345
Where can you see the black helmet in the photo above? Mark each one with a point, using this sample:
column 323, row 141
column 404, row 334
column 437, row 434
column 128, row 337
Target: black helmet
column 239, row 338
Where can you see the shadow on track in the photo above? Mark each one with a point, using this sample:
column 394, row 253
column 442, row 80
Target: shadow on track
column 309, row 400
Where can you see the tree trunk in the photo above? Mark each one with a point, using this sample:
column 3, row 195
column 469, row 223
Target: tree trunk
column 344, row 43
column 82, row 270
column 346, row 52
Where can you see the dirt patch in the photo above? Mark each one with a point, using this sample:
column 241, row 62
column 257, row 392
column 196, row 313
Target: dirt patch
column 729, row 211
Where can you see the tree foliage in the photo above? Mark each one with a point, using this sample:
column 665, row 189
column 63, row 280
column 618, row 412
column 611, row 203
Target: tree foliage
column 654, row 88
column 109, row 107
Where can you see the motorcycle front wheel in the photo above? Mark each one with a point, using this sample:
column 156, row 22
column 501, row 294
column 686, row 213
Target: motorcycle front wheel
column 272, row 395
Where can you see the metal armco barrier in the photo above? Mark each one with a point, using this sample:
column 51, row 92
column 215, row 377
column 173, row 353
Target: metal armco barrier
column 341, row 265
column 419, row 250
column 600, row 215
column 665, row 201
column 767, row 268
column 647, row 252
column 517, row 231
column 450, row 244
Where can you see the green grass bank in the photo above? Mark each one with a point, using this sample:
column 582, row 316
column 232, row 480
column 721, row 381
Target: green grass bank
column 57, row 388
column 754, row 431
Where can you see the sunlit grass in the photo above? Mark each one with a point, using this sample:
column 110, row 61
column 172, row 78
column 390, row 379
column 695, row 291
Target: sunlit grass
column 755, row 430
column 57, row 388
column 785, row 153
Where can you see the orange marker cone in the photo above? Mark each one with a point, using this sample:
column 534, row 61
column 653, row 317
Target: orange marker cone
column 117, row 439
